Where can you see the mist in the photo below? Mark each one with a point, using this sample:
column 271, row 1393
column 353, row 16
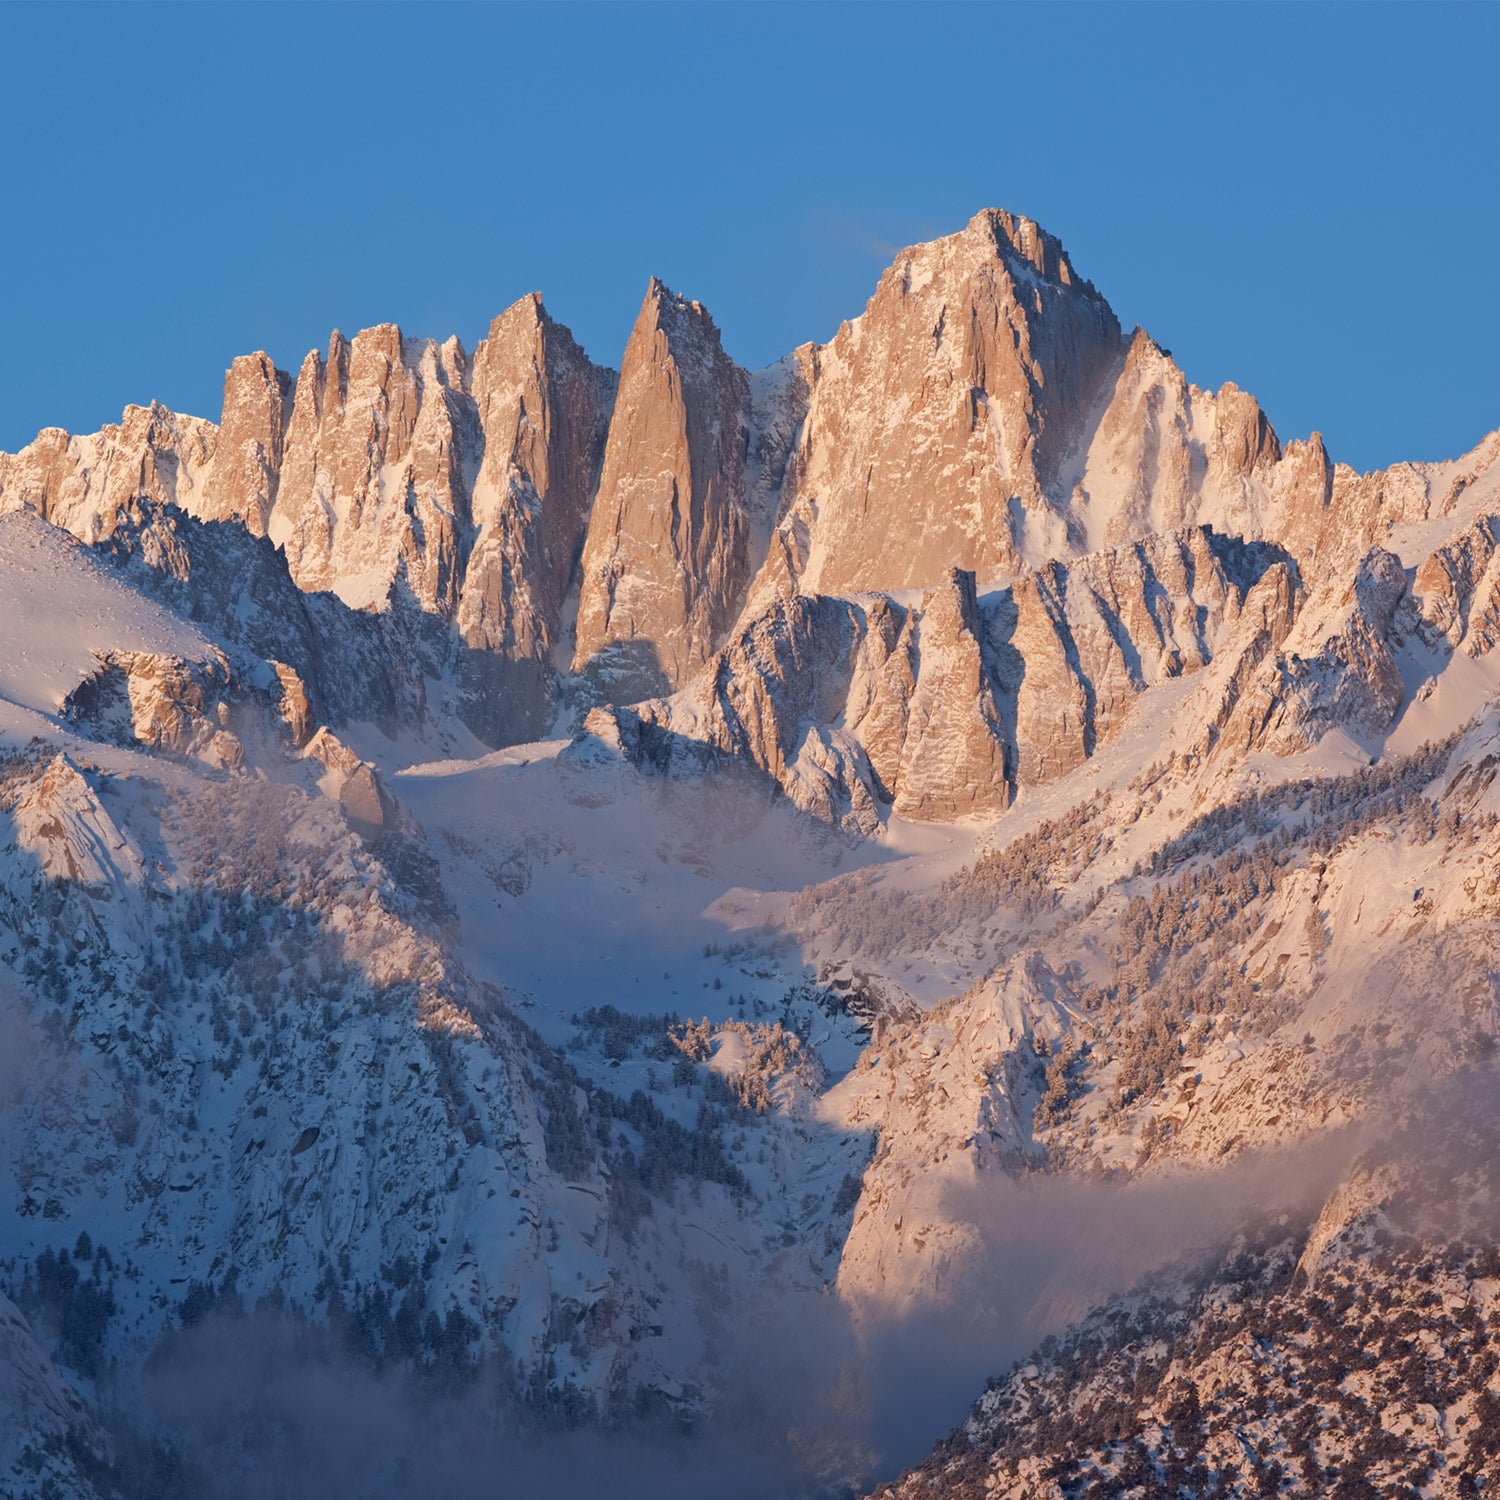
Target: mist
column 263, row 1407
column 816, row 1398
column 1051, row 1249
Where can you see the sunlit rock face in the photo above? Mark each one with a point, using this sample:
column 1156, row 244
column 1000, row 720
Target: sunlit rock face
column 370, row 484
column 245, row 476
column 987, row 412
column 941, row 708
column 526, row 515
column 542, row 410
column 85, row 484
column 943, row 417
column 667, row 554
column 410, row 473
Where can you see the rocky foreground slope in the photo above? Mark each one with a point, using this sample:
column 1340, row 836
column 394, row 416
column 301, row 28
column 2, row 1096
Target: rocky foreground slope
column 698, row 900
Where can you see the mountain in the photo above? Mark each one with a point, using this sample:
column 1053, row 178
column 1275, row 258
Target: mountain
column 1354, row 1359
column 666, row 556
column 730, row 907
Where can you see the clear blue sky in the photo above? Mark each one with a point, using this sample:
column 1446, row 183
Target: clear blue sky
column 1303, row 199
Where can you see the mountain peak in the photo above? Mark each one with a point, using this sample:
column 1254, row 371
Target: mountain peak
column 526, row 311
column 1021, row 244
column 667, row 553
column 1025, row 238
column 677, row 316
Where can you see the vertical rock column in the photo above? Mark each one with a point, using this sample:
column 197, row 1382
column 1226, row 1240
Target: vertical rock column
column 953, row 762
column 543, row 411
column 241, row 485
column 666, row 560
column 372, row 485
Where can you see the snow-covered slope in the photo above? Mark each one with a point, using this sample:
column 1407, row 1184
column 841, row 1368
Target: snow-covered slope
column 63, row 609
column 49, row 1441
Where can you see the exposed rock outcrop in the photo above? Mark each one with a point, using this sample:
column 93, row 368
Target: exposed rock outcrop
column 206, row 709
column 953, row 755
column 979, row 1080
column 960, row 391
column 987, row 412
column 940, row 710
column 61, row 824
column 542, row 409
column 352, row 783
column 667, row 553
column 1165, row 453
column 349, row 664
column 246, row 471
column 441, row 517
column 1458, row 588
column 1336, row 669
column 1266, row 619
column 371, row 486
column 85, row 484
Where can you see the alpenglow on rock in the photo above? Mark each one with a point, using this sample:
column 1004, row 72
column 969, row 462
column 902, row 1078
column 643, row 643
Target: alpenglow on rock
column 666, row 558
column 524, row 516
column 944, row 708
column 246, row 473
column 85, row 484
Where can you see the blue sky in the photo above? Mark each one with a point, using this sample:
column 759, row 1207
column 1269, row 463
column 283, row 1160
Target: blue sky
column 1300, row 198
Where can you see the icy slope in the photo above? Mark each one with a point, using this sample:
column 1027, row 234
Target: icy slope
column 62, row 609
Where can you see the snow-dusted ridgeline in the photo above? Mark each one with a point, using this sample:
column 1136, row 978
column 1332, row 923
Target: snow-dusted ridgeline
column 1060, row 776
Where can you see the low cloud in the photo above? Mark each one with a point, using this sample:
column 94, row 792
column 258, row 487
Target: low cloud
column 267, row 1407
column 260, row 1406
